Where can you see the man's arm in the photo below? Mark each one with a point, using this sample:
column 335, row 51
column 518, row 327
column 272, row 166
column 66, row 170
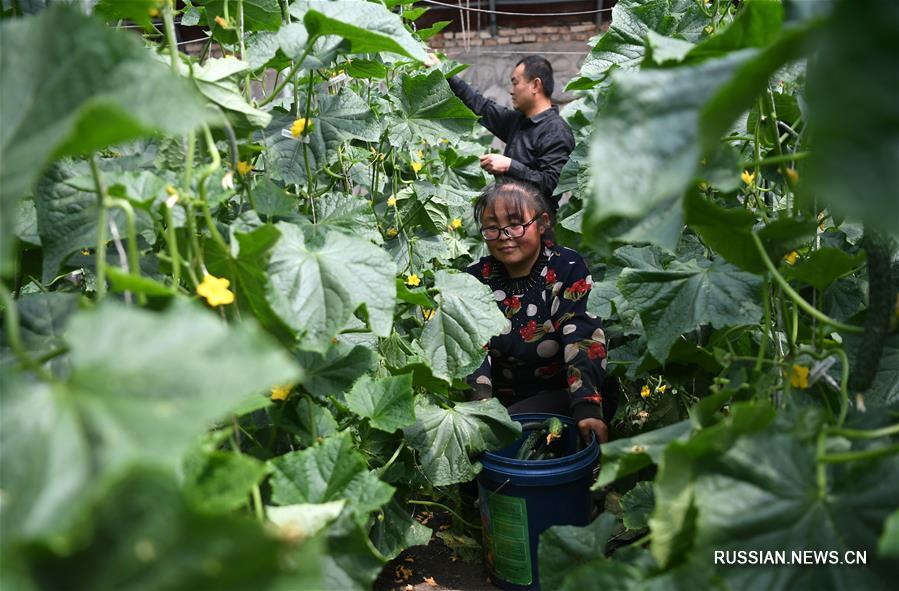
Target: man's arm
column 553, row 157
column 495, row 118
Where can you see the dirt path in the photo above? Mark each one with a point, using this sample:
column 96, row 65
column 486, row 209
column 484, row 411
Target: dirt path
column 435, row 567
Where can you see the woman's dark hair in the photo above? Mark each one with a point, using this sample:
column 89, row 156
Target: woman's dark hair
column 518, row 195
column 536, row 66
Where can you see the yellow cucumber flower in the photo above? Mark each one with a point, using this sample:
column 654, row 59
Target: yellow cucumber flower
column 799, row 376
column 215, row 290
column 280, row 392
column 391, row 202
column 416, row 166
column 299, row 127
column 661, row 389
column 391, row 232
column 413, row 280
column 791, row 257
column 644, row 392
column 747, row 177
column 456, row 223
column 244, row 168
column 428, row 313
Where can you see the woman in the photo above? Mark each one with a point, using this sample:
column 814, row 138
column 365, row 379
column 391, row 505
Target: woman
column 551, row 357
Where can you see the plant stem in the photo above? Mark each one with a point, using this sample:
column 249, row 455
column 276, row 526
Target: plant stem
column 133, row 255
column 864, row 433
column 853, row 456
column 14, row 337
column 257, row 503
column 172, row 239
column 243, row 49
column 201, row 186
column 444, row 507
column 293, row 70
column 100, row 254
column 392, row 459
column 169, row 19
column 821, row 469
column 763, row 345
column 776, row 159
column 310, row 185
column 800, row 301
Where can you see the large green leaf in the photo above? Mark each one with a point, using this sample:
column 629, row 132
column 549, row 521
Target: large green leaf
column 349, row 214
column 824, row 266
column 386, row 402
column 220, row 481
column 398, row 531
column 215, row 80
column 335, row 370
column 42, row 319
column 729, row 232
column 142, row 387
column 757, row 25
column 352, row 562
column 79, row 86
column 564, row 548
column 257, row 14
column 330, row 471
column 637, row 505
column 147, row 383
column 854, row 123
column 687, row 295
column 317, row 285
column 427, row 109
column 368, row 27
column 146, row 537
column 67, row 216
column 672, row 519
column 314, row 422
column 346, row 116
column 447, row 439
column 744, row 497
column 645, row 148
column 244, row 265
column 467, row 317
column 44, row 459
column 622, row 457
column 622, row 46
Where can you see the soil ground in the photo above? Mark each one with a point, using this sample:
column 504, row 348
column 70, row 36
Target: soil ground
column 435, row 567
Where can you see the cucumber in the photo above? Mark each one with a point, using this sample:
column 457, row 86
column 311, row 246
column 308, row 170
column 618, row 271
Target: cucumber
column 553, row 427
column 536, row 445
column 527, row 446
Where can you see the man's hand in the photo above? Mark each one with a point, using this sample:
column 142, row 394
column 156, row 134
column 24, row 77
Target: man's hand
column 496, row 163
column 598, row 426
column 432, row 60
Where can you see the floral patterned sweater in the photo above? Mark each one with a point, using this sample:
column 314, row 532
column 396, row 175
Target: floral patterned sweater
column 550, row 342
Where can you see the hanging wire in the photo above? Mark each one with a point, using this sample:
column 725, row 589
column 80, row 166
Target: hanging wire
column 436, row 3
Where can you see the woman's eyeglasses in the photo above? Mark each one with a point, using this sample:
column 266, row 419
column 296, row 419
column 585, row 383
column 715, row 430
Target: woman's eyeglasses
column 512, row 230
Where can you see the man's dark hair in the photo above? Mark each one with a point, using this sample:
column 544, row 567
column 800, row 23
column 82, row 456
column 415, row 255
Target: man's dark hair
column 536, row 66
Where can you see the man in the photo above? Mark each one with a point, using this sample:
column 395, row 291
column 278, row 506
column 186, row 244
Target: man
column 538, row 141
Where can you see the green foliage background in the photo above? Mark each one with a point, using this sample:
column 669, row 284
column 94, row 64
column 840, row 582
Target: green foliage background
column 734, row 187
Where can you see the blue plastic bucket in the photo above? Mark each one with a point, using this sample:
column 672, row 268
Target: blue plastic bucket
column 520, row 499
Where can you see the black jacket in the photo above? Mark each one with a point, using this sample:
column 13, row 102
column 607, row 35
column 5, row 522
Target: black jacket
column 539, row 146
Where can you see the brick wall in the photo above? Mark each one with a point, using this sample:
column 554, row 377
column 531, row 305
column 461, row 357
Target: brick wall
column 515, row 35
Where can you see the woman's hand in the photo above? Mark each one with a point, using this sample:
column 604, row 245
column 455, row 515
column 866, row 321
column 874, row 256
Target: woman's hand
column 597, row 426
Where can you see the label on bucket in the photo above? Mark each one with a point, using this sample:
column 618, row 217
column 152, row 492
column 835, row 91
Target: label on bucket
column 506, row 537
